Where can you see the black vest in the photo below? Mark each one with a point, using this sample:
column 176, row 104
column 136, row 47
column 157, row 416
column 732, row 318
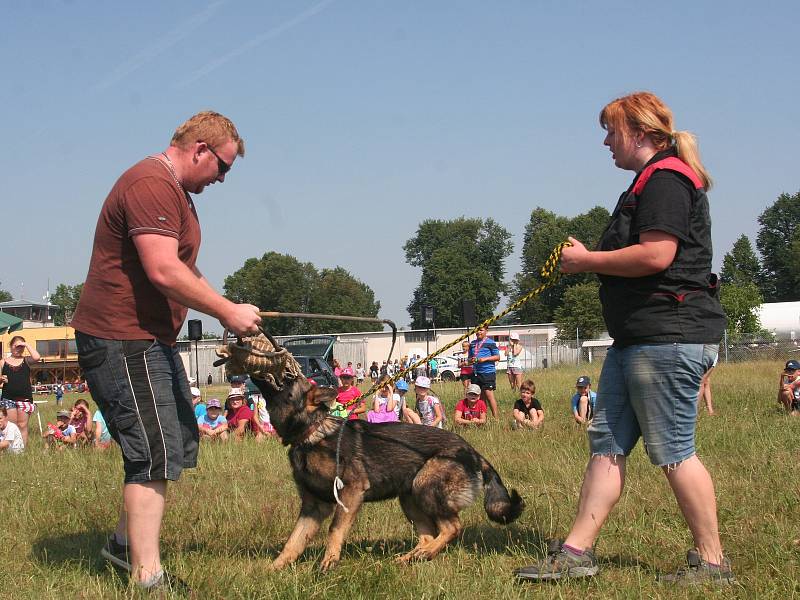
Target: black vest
column 679, row 304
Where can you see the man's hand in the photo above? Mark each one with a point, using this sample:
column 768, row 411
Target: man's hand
column 574, row 258
column 242, row 319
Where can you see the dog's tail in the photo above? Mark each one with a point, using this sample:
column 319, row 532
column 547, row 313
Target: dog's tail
column 500, row 506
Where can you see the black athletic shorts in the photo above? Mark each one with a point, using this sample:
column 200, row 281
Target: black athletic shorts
column 486, row 381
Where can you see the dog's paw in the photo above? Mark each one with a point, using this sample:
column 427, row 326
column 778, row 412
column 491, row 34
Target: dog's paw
column 404, row 559
column 277, row 564
column 328, row 563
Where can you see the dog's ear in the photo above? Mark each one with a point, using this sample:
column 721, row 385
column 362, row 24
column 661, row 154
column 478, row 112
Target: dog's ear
column 320, row 395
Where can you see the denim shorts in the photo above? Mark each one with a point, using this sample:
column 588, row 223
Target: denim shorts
column 143, row 393
column 650, row 390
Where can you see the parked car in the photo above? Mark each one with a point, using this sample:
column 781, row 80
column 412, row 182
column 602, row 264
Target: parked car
column 313, row 354
column 448, row 368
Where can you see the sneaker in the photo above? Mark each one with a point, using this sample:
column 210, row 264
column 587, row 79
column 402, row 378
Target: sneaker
column 116, row 553
column 560, row 563
column 699, row 571
column 168, row 583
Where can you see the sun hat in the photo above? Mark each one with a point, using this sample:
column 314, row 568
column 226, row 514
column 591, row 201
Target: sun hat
column 347, row 372
column 213, row 403
column 195, row 391
column 514, row 335
column 583, row 381
column 63, row 414
column 235, row 393
column 473, row 388
column 423, row 382
column 402, row 385
column 792, row 365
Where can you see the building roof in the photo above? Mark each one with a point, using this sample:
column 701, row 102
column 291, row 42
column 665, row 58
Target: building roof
column 24, row 303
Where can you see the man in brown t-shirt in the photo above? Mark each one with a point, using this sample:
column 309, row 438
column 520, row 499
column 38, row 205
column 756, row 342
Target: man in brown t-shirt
column 142, row 279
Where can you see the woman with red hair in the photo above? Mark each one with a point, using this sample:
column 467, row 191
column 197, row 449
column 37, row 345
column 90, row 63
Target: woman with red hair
column 661, row 307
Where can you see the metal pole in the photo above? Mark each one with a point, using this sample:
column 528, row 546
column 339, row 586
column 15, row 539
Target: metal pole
column 725, row 342
column 196, row 366
column 427, row 349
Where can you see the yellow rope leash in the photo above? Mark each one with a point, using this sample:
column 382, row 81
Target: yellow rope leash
column 550, row 275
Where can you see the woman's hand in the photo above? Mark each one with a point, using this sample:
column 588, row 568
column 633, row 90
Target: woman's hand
column 574, row 258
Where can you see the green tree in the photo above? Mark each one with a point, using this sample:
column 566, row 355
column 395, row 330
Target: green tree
column 66, row 298
column 740, row 302
column 5, row 296
column 741, row 265
column 461, row 259
column 279, row 282
column 778, row 242
column 581, row 310
column 543, row 232
column 337, row 292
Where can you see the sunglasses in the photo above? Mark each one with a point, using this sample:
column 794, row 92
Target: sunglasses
column 222, row 166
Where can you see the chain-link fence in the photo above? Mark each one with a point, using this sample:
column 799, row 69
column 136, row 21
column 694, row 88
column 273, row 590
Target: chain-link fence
column 757, row 347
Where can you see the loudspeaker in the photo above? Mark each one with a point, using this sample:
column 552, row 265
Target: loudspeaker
column 195, row 329
column 468, row 312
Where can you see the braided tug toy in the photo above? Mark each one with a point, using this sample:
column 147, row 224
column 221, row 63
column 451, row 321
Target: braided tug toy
column 259, row 356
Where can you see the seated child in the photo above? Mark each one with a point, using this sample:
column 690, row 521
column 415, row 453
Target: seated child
column 10, row 435
column 789, row 387
column 471, row 410
column 348, row 395
column 80, row 417
column 384, row 403
column 197, row 402
column 62, row 433
column 401, row 389
column 102, row 436
column 429, row 409
column 239, row 415
column 212, row 425
column 528, row 410
column 583, row 400
column 261, row 421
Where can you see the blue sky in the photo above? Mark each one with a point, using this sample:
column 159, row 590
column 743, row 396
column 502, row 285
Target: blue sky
column 364, row 118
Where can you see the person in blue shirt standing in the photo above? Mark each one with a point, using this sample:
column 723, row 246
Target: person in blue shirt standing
column 483, row 354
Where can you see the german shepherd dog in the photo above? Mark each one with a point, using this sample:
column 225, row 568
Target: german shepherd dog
column 435, row 473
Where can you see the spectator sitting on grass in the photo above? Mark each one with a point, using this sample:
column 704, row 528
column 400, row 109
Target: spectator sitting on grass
column 80, row 417
column 401, row 389
column 261, row 420
column 471, row 410
column 583, row 400
column 102, row 436
column 213, row 425
column 197, row 402
column 429, row 409
column 239, row 415
column 528, row 410
column 349, row 395
column 789, row 387
column 384, row 403
column 10, row 435
column 62, row 433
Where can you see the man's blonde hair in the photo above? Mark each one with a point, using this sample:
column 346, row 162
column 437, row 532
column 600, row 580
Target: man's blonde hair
column 210, row 127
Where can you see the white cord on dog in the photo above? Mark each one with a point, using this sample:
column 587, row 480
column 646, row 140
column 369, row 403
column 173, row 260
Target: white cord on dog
column 338, row 484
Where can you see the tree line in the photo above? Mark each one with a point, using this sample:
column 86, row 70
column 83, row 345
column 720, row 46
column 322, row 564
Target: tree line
column 464, row 259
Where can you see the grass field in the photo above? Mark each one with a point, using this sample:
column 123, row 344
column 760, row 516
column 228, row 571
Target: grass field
column 229, row 517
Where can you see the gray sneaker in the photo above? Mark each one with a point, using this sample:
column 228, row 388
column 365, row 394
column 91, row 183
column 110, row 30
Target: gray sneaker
column 560, row 563
column 117, row 554
column 699, row 571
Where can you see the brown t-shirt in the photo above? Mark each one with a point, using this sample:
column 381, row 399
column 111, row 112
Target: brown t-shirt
column 118, row 301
